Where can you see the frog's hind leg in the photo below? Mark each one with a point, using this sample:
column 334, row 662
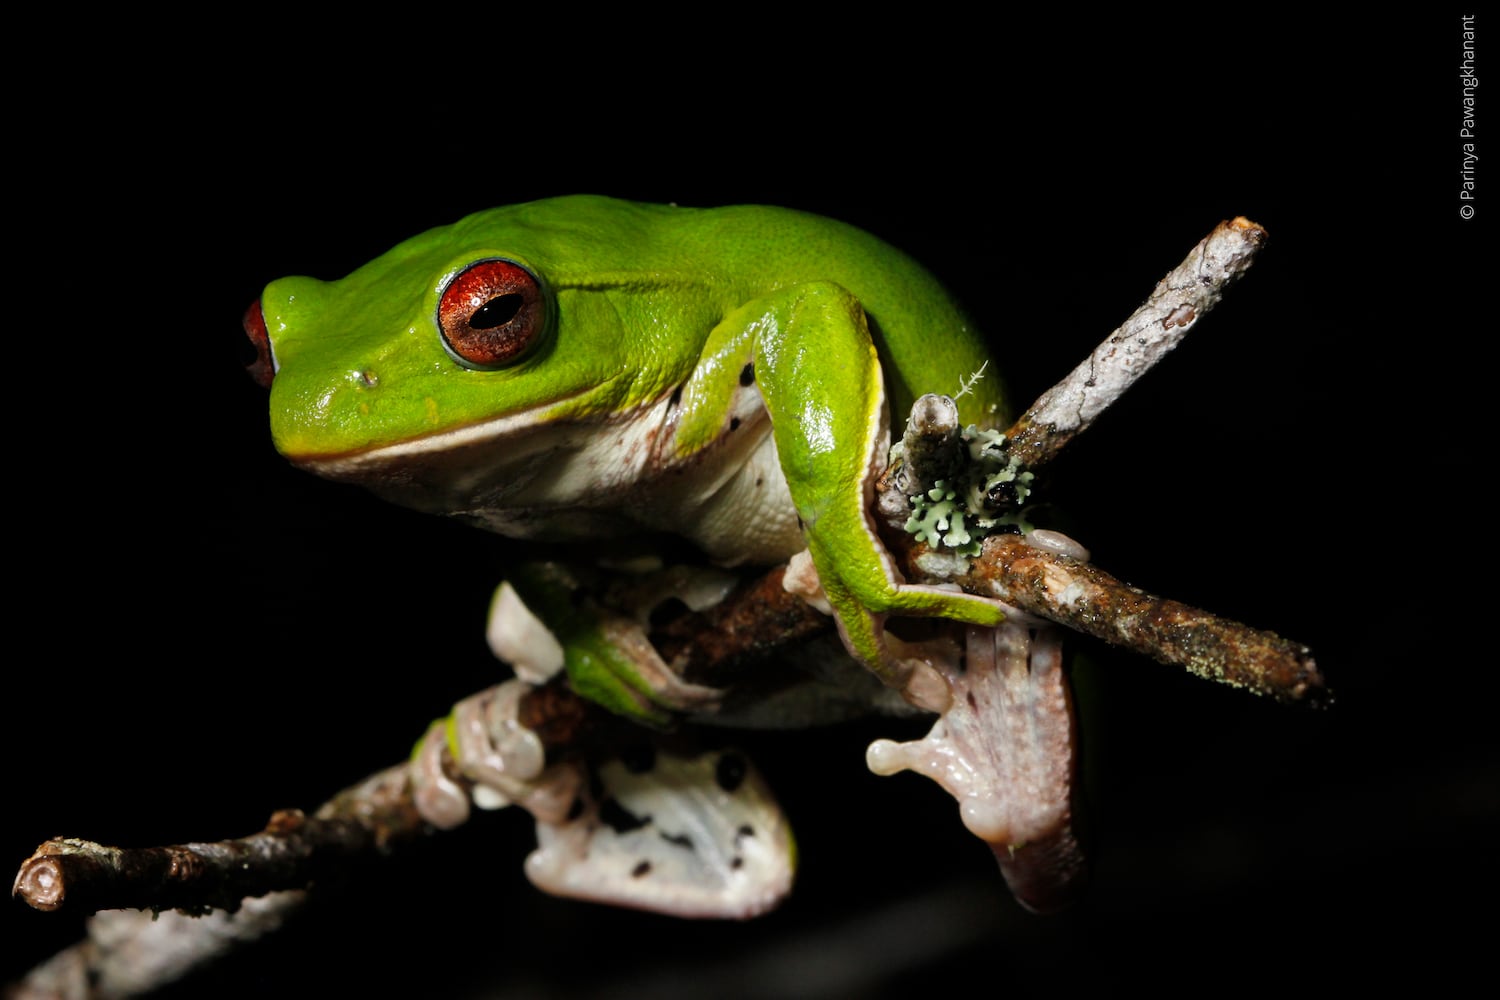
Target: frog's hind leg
column 689, row 834
column 822, row 382
column 692, row 835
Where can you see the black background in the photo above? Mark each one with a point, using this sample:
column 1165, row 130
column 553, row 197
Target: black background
column 203, row 634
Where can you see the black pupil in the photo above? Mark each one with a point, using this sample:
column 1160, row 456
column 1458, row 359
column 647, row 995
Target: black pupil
column 496, row 312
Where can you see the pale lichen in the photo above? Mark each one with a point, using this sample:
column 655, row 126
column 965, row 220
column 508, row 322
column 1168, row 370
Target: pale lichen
column 982, row 499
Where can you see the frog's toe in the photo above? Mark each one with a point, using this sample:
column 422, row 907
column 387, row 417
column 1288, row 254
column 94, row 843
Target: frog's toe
column 489, row 744
column 481, row 755
column 439, row 799
column 948, row 601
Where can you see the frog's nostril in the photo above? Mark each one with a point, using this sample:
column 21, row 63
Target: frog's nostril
column 262, row 364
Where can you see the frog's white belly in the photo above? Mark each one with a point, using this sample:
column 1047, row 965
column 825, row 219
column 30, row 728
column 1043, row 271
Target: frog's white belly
column 525, row 476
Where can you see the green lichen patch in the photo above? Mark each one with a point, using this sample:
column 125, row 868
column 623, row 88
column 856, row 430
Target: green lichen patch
column 986, row 497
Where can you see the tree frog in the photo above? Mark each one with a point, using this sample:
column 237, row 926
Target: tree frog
column 584, row 368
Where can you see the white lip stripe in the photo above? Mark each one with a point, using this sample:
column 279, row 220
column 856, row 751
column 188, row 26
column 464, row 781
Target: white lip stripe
column 498, row 428
column 547, row 476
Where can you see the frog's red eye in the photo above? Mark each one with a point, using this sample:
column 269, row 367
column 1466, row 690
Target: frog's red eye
column 491, row 313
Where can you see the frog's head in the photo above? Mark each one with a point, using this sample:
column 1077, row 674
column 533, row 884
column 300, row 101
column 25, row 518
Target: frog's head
column 428, row 373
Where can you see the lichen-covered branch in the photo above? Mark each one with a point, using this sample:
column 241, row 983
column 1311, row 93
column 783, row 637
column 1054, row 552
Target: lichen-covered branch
column 1179, row 301
column 1052, row 579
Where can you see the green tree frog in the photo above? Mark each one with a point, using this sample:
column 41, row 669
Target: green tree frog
column 584, row 368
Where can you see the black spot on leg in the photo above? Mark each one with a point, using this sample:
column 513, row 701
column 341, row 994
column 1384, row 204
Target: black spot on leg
column 734, row 423
column 680, row 840
column 736, row 862
column 747, row 375
column 620, row 819
column 745, row 830
column 972, row 703
column 641, row 869
column 729, row 772
column 676, row 399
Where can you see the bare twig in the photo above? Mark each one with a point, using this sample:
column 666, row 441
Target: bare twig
column 1180, row 299
column 720, row 646
column 189, row 876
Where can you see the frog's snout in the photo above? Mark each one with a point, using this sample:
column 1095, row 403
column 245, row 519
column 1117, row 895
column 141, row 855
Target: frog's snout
column 262, row 367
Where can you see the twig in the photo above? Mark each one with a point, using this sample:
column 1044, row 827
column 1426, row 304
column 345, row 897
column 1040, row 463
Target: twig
column 1069, row 591
column 932, row 445
column 1087, row 599
column 196, row 877
column 1180, row 299
column 728, row 641
column 291, row 852
column 128, row 953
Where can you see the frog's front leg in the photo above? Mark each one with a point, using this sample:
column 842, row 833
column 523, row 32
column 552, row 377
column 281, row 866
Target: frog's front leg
column 821, row 381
